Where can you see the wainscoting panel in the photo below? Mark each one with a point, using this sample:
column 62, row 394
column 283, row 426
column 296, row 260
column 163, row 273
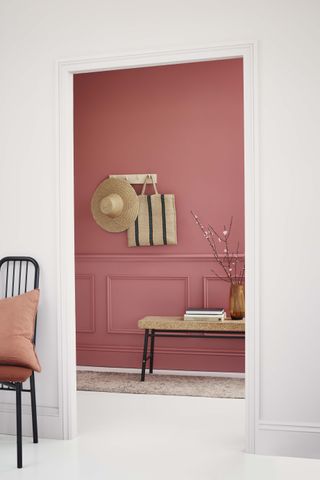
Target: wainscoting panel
column 129, row 297
column 215, row 292
column 113, row 292
column 85, row 303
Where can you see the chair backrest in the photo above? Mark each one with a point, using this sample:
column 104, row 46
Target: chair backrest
column 18, row 275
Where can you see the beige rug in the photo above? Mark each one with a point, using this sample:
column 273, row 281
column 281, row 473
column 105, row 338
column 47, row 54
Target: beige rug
column 216, row 387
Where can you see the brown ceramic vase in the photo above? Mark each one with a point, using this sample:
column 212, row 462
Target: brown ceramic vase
column 236, row 302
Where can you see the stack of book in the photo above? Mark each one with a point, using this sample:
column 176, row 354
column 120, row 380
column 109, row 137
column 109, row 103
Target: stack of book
column 205, row 314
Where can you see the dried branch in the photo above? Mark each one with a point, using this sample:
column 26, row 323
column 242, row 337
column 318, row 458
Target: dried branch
column 228, row 261
column 242, row 276
column 236, row 260
column 224, row 279
column 213, row 246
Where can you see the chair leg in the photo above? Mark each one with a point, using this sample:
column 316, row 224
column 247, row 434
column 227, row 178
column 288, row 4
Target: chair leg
column 19, row 424
column 34, row 409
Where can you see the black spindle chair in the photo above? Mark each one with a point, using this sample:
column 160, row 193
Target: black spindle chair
column 17, row 276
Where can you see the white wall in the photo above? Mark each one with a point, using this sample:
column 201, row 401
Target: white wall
column 37, row 33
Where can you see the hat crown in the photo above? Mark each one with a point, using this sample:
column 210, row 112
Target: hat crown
column 112, row 205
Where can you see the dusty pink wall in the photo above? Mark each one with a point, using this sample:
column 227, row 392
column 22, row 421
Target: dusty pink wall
column 185, row 123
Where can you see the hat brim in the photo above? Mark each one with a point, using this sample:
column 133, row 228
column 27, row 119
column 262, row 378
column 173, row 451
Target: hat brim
column 130, row 205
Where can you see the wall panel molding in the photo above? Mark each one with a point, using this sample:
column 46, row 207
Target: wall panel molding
column 110, row 327
column 206, row 279
column 205, row 284
column 162, row 351
column 135, row 257
column 92, row 321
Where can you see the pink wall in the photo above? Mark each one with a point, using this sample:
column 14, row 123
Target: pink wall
column 185, row 123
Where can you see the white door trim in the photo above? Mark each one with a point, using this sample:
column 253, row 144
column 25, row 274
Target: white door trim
column 66, row 284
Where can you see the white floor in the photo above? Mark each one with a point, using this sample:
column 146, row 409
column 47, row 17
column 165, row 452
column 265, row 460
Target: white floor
column 131, row 437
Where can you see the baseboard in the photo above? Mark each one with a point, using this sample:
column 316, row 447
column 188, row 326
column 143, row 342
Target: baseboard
column 288, row 440
column 49, row 421
column 162, row 372
column 289, row 427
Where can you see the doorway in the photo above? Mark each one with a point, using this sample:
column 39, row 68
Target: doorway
column 67, row 70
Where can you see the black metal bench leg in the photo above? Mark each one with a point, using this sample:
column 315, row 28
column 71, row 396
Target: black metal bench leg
column 34, row 409
column 19, row 424
column 145, row 352
column 151, row 352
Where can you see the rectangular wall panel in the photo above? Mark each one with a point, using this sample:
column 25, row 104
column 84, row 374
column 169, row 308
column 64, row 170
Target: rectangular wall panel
column 131, row 297
column 85, row 303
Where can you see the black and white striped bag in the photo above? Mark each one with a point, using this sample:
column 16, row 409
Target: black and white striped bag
column 156, row 222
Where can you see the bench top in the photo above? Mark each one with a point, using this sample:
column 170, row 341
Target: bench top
column 178, row 323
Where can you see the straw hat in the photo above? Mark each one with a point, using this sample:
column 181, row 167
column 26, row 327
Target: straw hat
column 114, row 205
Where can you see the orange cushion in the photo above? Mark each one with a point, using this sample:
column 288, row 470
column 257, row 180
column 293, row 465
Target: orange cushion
column 14, row 374
column 17, row 318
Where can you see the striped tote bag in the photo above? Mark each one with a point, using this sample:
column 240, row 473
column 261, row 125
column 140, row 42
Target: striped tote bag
column 156, row 222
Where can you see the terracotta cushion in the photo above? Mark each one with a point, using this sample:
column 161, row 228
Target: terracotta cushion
column 14, row 374
column 17, row 318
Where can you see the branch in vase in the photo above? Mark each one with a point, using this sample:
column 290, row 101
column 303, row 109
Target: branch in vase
column 228, row 261
column 211, row 241
column 224, row 279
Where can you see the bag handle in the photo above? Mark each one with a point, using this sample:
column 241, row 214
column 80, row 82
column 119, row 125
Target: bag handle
column 145, row 185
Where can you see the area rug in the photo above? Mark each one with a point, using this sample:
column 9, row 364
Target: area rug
column 195, row 386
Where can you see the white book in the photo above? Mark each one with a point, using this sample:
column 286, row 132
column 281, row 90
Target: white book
column 209, row 315
column 204, row 318
column 204, row 311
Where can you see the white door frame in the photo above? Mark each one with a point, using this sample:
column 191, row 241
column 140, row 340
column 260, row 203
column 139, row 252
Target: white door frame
column 66, row 278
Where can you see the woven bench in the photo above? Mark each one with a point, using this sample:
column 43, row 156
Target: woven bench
column 178, row 327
